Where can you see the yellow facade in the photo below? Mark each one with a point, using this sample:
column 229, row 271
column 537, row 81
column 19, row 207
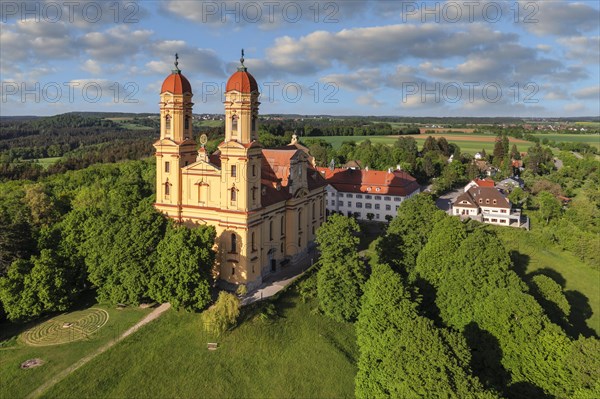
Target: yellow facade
column 266, row 205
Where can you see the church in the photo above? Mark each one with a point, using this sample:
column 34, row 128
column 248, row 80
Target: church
column 265, row 204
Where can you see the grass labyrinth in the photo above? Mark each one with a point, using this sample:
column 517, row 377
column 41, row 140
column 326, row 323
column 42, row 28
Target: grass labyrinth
column 74, row 326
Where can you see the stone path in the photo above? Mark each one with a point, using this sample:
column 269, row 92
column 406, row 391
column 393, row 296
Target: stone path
column 81, row 362
column 272, row 285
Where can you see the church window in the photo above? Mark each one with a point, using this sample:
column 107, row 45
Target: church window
column 254, row 123
column 253, row 242
column 314, row 214
column 281, row 248
column 254, row 193
column 299, row 242
column 282, row 226
column 234, row 124
column 168, row 123
column 253, row 170
column 167, row 167
column 233, row 171
column 271, row 231
column 233, row 194
column 167, row 189
column 233, row 243
column 187, row 122
column 232, row 270
column 300, row 219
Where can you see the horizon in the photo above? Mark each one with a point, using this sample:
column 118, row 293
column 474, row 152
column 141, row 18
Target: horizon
column 521, row 59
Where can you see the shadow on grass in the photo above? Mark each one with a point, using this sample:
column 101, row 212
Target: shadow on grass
column 581, row 311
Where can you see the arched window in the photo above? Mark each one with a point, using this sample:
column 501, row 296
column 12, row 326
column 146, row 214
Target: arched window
column 233, row 243
column 234, row 124
column 167, row 189
column 233, row 194
column 168, row 123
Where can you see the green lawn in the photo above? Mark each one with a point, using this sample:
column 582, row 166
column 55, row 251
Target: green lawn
column 580, row 281
column 471, row 143
column 17, row 383
column 300, row 354
column 45, row 162
column 591, row 139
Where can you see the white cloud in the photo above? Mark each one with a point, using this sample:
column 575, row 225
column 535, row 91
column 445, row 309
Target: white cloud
column 559, row 18
column 575, row 107
column 592, row 92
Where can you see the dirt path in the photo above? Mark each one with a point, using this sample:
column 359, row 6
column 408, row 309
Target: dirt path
column 81, row 362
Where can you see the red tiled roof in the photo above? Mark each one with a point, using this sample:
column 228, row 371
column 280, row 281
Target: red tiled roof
column 485, row 182
column 243, row 82
column 176, row 83
column 376, row 182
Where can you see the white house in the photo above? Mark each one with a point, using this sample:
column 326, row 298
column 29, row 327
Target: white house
column 488, row 205
column 364, row 193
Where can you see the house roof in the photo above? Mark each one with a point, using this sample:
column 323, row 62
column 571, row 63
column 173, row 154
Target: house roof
column 484, row 182
column 485, row 196
column 275, row 173
column 176, row 83
column 467, row 199
column 397, row 183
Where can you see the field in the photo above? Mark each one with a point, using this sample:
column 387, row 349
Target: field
column 45, row 162
column 468, row 143
column 61, row 351
column 298, row 354
column 591, row 139
column 579, row 280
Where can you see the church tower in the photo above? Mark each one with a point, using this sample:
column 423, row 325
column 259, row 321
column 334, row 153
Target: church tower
column 176, row 147
column 241, row 153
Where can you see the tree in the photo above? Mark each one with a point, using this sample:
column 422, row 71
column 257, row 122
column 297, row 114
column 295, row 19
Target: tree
column 342, row 274
column 35, row 287
column 430, row 145
column 551, row 296
column 549, row 207
column 499, row 153
column 183, row 269
column 408, row 232
column 222, row 315
column 514, row 153
column 402, row 354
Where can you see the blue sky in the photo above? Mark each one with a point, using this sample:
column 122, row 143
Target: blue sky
column 361, row 57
